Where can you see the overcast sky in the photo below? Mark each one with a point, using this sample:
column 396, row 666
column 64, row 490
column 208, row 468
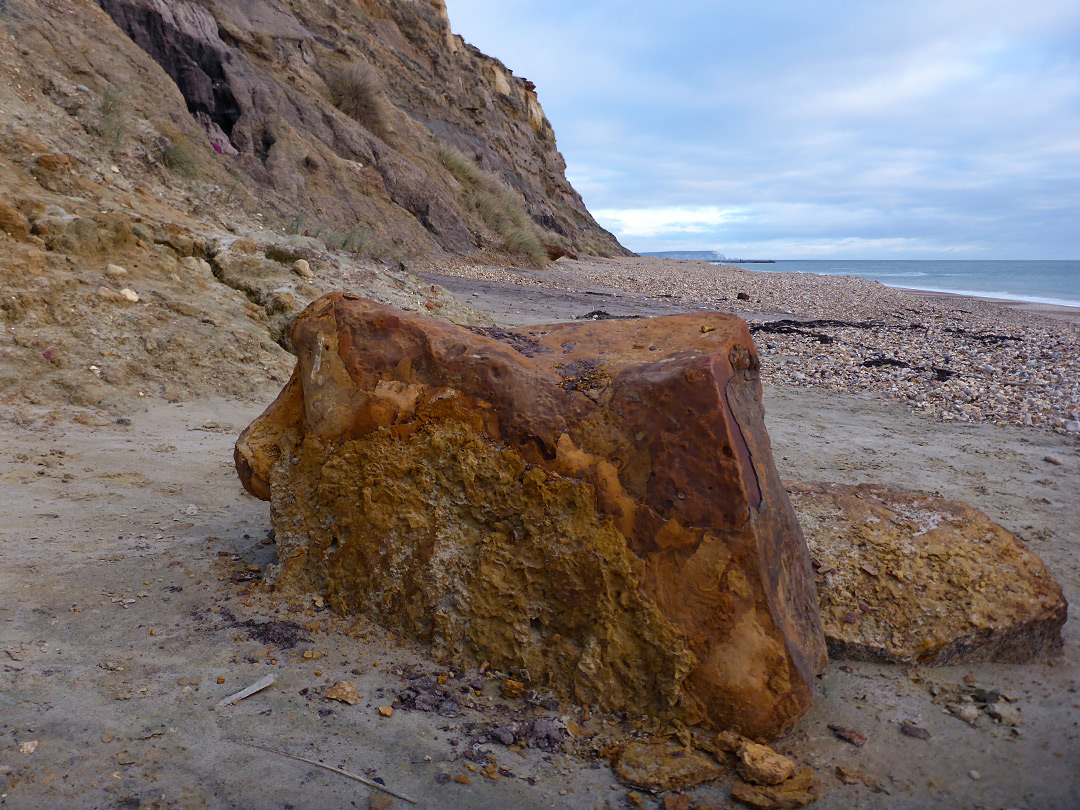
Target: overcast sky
column 914, row 129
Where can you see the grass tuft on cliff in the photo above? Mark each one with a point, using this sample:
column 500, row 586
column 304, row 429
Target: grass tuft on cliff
column 180, row 158
column 357, row 90
column 113, row 126
column 499, row 207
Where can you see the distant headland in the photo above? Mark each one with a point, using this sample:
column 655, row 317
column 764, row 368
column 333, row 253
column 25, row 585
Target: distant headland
column 703, row 256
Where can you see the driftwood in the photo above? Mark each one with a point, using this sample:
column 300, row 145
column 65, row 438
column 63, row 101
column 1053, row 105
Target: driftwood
column 361, row 779
column 258, row 686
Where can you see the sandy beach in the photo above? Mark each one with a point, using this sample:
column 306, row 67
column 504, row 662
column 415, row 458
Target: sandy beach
column 133, row 604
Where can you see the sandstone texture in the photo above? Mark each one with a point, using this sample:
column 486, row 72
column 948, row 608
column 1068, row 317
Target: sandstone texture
column 798, row 791
column 662, row 765
column 763, row 766
column 915, row 578
column 571, row 503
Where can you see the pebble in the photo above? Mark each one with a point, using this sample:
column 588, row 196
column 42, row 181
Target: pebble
column 108, row 294
column 343, row 691
column 115, row 271
column 130, row 295
column 303, row 269
column 917, row 732
column 975, row 775
column 1007, row 714
column 968, row 712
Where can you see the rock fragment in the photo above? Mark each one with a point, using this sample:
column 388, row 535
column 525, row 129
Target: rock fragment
column 343, row 691
column 763, row 766
column 950, row 586
column 1008, row 714
column 663, row 765
column 108, row 294
column 848, row 735
column 557, row 500
column 13, row 223
column 968, row 712
column 911, row 730
column 798, row 791
column 512, row 689
column 850, row 776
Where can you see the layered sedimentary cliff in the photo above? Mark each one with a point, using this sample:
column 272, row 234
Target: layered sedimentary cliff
column 370, row 117
column 158, row 137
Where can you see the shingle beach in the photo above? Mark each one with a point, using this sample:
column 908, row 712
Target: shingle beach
column 954, row 358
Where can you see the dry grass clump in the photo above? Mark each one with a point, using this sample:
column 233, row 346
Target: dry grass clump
column 112, row 117
column 500, row 208
column 181, row 159
column 357, row 91
column 523, row 242
column 465, row 170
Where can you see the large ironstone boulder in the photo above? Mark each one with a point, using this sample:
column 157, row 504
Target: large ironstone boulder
column 594, row 504
column 910, row 577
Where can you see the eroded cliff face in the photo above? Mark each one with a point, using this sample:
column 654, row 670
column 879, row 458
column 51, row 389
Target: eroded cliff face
column 190, row 152
column 263, row 80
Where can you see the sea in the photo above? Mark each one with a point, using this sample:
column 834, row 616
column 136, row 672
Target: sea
column 1043, row 282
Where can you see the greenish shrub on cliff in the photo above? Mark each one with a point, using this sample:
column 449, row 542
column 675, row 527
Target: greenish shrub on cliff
column 180, row 158
column 357, row 90
column 499, row 207
column 112, row 117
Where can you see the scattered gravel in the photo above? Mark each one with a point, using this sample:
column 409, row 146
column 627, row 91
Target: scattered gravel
column 951, row 357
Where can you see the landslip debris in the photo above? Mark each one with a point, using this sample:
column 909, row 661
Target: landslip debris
column 914, row 578
column 603, row 517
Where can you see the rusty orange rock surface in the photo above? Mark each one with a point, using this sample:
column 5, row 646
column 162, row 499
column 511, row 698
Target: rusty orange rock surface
column 914, row 578
column 592, row 504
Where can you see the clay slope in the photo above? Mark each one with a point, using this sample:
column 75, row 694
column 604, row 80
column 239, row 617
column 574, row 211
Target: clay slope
column 206, row 174
column 365, row 118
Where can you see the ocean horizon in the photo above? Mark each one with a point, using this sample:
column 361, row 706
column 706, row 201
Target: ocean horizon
column 1038, row 281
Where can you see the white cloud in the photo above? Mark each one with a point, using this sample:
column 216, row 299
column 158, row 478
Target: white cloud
column 899, row 129
column 648, row 222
